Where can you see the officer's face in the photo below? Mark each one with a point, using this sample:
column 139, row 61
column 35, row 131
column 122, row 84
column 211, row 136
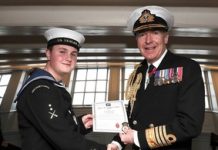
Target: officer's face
column 61, row 59
column 152, row 44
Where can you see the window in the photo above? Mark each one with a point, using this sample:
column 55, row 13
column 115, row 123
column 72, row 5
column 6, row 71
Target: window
column 210, row 96
column 4, row 80
column 205, row 89
column 90, row 85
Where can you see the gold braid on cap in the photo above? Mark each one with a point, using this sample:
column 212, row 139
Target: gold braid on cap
column 132, row 87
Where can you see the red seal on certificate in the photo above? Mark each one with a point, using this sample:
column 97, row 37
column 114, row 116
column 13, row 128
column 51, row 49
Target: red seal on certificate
column 117, row 125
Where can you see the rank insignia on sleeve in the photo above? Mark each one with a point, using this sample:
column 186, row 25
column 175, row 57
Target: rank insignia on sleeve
column 52, row 112
column 168, row 76
column 157, row 137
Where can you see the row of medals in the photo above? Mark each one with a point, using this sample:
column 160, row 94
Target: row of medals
column 168, row 76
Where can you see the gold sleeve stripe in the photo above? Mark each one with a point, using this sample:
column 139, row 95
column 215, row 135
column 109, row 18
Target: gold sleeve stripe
column 162, row 136
column 157, row 137
column 151, row 140
column 169, row 137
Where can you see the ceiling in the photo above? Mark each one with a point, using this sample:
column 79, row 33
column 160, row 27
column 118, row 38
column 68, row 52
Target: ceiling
column 103, row 22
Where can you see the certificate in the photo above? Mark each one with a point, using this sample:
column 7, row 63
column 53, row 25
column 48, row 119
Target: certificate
column 109, row 116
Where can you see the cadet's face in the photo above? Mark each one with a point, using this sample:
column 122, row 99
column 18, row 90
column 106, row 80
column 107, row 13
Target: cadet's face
column 62, row 59
column 152, row 44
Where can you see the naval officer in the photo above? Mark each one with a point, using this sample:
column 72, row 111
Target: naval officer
column 165, row 91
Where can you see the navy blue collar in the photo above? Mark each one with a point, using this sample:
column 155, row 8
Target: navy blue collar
column 36, row 75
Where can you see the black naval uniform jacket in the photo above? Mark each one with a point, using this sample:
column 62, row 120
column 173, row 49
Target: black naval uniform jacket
column 46, row 118
column 168, row 116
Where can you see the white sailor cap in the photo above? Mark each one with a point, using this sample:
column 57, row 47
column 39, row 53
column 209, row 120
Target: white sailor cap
column 150, row 18
column 64, row 36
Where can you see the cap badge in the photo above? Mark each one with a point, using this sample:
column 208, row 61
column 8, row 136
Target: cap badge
column 146, row 16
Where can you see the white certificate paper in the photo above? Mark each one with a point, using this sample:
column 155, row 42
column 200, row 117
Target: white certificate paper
column 109, row 116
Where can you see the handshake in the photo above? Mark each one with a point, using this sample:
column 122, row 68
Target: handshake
column 126, row 136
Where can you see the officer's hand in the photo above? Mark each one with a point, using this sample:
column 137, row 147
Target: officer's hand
column 87, row 121
column 112, row 147
column 127, row 137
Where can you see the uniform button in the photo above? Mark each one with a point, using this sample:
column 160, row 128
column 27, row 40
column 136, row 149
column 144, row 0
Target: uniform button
column 151, row 125
column 134, row 122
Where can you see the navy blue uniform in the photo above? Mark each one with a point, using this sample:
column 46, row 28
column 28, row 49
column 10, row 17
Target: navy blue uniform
column 46, row 118
column 167, row 116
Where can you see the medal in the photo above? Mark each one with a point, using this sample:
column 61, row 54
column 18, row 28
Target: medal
column 167, row 76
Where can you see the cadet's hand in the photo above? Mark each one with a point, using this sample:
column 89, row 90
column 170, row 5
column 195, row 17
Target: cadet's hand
column 87, row 121
column 112, row 147
column 127, row 137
